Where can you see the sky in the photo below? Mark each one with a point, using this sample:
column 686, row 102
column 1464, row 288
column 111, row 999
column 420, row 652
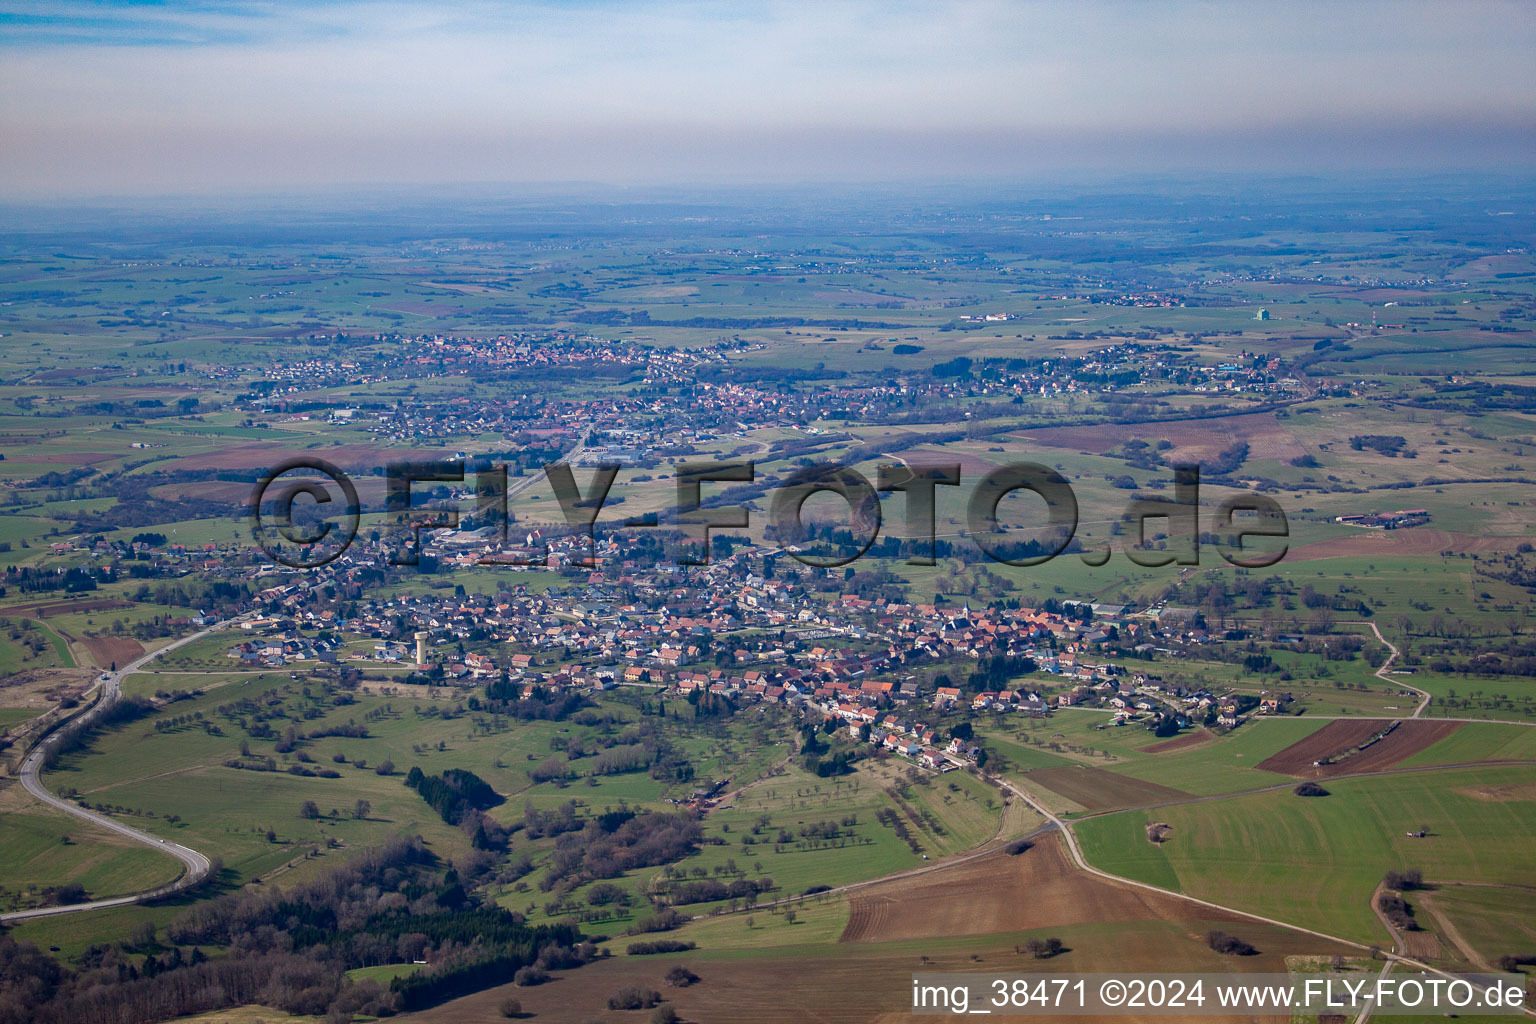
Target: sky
column 106, row 98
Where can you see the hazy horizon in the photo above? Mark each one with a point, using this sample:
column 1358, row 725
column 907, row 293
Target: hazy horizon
column 114, row 98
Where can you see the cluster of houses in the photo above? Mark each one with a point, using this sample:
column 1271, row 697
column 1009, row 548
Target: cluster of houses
column 1400, row 519
column 662, row 417
column 758, row 631
column 282, row 646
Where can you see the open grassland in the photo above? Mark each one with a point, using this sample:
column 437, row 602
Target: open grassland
column 1315, row 861
column 10, row 716
column 43, row 848
column 818, row 920
column 1510, row 698
column 383, row 973
column 74, row 933
column 806, row 833
column 1490, row 920
column 1226, row 764
column 1479, row 741
column 31, row 646
column 167, row 773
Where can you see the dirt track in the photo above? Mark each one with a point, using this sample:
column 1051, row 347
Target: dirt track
column 1333, row 739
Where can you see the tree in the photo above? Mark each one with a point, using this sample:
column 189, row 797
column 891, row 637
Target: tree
column 511, row 1008
column 680, row 977
column 1042, row 948
column 386, row 767
column 309, row 810
column 1229, row 945
column 361, row 808
column 633, row 997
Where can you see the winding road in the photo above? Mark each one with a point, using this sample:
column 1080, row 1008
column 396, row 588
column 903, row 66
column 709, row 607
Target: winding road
column 196, row 864
column 1383, row 673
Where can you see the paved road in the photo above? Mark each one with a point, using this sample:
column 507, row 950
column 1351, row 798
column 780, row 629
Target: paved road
column 1386, row 667
column 197, row 865
column 1370, row 1008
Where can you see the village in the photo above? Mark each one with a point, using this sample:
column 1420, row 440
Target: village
column 881, row 668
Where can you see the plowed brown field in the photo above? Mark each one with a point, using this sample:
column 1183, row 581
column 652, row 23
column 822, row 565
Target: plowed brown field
column 1099, row 790
column 1040, row 888
column 347, row 456
column 1189, row 739
column 1410, row 737
column 1192, row 440
column 109, row 650
column 860, row 983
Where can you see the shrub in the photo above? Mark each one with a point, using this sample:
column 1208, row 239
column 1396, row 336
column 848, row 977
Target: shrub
column 1017, row 847
column 664, row 1014
column 527, row 977
column 548, row 770
column 634, row 997
column 1395, row 910
column 658, row 946
column 1404, row 881
column 681, row 977
column 1228, row 945
column 511, row 1008
column 1310, row 789
column 604, row 893
column 663, row 921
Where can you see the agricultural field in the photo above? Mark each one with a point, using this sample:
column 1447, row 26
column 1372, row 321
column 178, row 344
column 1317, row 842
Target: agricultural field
column 787, row 778
column 1352, row 748
column 1318, row 859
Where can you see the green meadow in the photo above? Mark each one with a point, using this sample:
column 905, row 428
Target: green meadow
column 1315, row 861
